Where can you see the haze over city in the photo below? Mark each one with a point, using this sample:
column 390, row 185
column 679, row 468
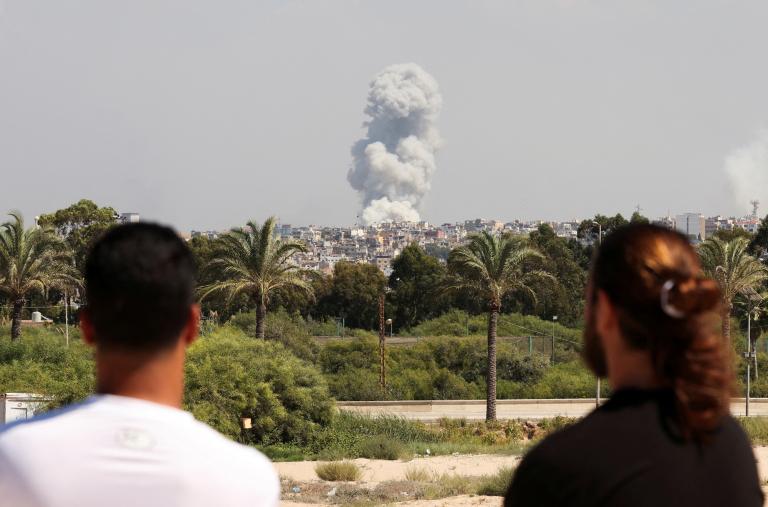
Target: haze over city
column 221, row 112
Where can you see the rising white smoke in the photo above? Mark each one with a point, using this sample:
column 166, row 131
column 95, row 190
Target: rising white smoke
column 393, row 165
column 747, row 169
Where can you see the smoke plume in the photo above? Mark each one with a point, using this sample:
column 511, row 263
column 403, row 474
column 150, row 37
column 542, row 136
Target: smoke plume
column 747, row 169
column 393, row 165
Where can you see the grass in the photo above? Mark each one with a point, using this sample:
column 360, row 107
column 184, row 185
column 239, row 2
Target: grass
column 388, row 437
column 418, row 474
column 497, row 484
column 336, row 471
column 756, row 429
column 381, row 447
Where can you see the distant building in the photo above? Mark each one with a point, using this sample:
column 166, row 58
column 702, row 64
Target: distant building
column 693, row 225
column 204, row 234
column 128, row 218
column 384, row 263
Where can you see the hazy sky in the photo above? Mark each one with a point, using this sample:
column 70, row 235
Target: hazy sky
column 206, row 113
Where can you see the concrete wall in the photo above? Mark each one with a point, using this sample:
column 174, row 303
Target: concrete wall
column 432, row 410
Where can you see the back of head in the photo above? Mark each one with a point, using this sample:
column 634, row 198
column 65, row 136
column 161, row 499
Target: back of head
column 653, row 277
column 140, row 281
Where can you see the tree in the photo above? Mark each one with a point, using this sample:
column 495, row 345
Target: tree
column 759, row 244
column 493, row 266
column 638, row 218
column 734, row 269
column 563, row 296
column 354, row 294
column 31, row 261
column 80, row 224
column 731, row 234
column 254, row 262
column 588, row 230
column 416, row 280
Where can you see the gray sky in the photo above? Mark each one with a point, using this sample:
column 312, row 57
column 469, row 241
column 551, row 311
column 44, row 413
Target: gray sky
column 203, row 114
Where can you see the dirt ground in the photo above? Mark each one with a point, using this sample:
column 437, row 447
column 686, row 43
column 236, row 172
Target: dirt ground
column 375, row 471
column 454, row 501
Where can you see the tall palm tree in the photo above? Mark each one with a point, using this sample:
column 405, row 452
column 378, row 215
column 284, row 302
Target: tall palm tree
column 31, row 261
column 734, row 269
column 493, row 266
column 253, row 261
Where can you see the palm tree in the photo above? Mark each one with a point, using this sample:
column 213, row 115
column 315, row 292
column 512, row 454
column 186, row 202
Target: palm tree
column 493, row 266
column 252, row 261
column 31, row 261
column 734, row 269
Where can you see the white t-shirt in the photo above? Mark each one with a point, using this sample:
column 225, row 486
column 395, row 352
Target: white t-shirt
column 114, row 451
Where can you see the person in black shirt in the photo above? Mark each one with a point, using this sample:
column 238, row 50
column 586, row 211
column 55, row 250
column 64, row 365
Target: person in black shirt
column 665, row 437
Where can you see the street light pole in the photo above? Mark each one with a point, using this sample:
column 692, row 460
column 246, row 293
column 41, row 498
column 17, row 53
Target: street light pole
column 599, row 243
column 382, row 373
column 554, row 319
column 749, row 359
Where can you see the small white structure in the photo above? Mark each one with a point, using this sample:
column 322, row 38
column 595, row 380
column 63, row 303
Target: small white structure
column 19, row 406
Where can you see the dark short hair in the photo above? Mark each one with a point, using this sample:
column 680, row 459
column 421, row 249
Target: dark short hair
column 139, row 284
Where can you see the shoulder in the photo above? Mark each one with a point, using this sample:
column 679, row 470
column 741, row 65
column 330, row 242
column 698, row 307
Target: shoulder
column 40, row 425
column 731, row 436
column 235, row 462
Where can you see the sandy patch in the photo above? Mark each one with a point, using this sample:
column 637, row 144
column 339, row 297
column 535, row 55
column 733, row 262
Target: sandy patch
column 375, row 471
column 454, row 501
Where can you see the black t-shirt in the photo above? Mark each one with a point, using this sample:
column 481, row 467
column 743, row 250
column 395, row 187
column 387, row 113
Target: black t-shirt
column 629, row 453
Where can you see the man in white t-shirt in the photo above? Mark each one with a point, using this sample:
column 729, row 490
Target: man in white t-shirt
column 131, row 445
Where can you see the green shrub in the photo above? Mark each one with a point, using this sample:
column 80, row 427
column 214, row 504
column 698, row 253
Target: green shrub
column 230, row 375
column 283, row 452
column 338, row 471
column 347, row 433
column 41, row 363
column 497, row 484
column 289, row 330
column 381, row 447
column 556, row 423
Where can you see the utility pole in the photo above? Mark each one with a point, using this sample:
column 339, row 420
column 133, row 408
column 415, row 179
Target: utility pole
column 599, row 243
column 66, row 316
column 382, row 338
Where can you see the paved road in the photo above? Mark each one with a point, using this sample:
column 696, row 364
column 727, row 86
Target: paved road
column 505, row 409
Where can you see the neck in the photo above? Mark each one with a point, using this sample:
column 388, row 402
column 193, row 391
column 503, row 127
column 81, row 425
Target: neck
column 631, row 369
column 158, row 378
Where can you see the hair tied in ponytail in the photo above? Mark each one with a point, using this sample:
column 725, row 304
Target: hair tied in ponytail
column 668, row 307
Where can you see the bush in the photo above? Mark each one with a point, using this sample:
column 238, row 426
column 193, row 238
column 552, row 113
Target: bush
column 338, row 471
column 282, row 452
column 381, row 447
column 41, row 363
column 347, row 433
column 230, row 376
column 289, row 330
column 497, row 484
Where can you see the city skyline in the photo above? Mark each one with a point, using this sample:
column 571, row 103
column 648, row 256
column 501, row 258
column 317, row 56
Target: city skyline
column 551, row 110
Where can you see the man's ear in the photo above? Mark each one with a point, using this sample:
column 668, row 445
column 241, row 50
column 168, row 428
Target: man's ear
column 193, row 325
column 86, row 328
column 605, row 315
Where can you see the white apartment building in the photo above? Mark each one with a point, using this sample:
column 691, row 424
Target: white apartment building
column 693, row 225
